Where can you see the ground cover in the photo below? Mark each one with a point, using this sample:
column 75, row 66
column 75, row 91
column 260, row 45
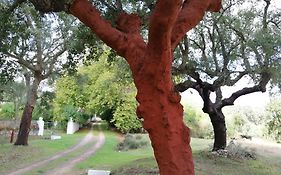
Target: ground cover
column 138, row 161
column 109, row 158
column 15, row 157
column 208, row 163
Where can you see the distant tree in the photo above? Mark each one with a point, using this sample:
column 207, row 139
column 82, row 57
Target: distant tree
column 274, row 122
column 44, row 106
column 86, row 91
column 35, row 43
column 228, row 47
column 68, row 99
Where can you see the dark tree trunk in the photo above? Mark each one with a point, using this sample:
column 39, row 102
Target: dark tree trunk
column 22, row 138
column 218, row 122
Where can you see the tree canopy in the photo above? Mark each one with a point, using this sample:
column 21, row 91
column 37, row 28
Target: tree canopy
column 150, row 61
column 223, row 49
column 102, row 88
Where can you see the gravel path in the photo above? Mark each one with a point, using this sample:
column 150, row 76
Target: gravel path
column 65, row 168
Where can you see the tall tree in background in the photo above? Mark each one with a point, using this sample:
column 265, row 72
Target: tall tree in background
column 36, row 44
column 150, row 62
column 226, row 48
column 85, row 92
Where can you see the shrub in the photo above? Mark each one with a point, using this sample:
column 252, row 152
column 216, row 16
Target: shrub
column 133, row 141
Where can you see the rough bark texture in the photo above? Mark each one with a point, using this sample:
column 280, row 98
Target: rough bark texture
column 159, row 104
column 218, row 122
column 22, row 138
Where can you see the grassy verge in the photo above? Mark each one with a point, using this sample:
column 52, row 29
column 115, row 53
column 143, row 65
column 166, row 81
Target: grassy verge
column 205, row 163
column 132, row 162
column 15, row 157
column 107, row 158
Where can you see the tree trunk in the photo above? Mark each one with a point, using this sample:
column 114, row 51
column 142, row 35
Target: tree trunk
column 22, row 138
column 218, row 122
column 162, row 113
column 151, row 64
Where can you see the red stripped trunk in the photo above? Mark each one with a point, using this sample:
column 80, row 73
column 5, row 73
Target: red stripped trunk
column 162, row 113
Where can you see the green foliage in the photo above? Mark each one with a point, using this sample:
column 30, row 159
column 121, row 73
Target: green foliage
column 274, row 123
column 14, row 92
column 44, row 107
column 68, row 100
column 125, row 115
column 198, row 122
column 7, row 111
column 245, row 121
column 103, row 87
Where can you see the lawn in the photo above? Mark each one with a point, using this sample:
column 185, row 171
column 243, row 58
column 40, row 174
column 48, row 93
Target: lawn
column 108, row 158
column 207, row 164
column 15, row 157
column 133, row 162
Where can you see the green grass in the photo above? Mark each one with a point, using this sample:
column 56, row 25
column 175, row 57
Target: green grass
column 132, row 162
column 54, row 164
column 38, row 149
column 108, row 158
column 205, row 163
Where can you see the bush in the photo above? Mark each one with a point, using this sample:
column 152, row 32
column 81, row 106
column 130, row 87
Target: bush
column 133, row 141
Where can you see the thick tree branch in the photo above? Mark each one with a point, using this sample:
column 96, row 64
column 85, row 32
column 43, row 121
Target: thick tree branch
column 161, row 24
column 181, row 87
column 53, row 59
column 21, row 61
column 233, row 81
column 264, row 19
column 46, row 6
column 218, row 95
column 261, row 87
column 116, row 39
column 190, row 15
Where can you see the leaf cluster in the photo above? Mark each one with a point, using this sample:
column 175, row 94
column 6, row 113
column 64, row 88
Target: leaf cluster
column 103, row 87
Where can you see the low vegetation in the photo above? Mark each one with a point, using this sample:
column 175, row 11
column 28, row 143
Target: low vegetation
column 133, row 141
column 136, row 158
column 14, row 157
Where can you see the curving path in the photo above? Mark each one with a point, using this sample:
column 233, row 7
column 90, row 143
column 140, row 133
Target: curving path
column 67, row 166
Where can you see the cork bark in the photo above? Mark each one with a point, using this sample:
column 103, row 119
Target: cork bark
column 150, row 63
